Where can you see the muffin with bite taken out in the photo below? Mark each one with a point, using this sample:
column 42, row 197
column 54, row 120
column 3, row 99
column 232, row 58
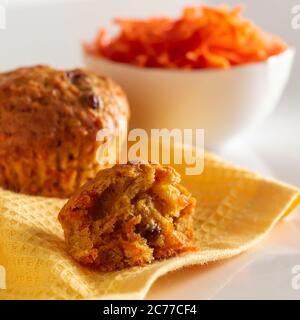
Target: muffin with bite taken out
column 129, row 215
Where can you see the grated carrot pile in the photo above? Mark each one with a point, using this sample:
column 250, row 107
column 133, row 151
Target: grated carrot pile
column 203, row 37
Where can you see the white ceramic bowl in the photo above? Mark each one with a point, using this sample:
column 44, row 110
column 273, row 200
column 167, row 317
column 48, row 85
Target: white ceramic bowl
column 223, row 102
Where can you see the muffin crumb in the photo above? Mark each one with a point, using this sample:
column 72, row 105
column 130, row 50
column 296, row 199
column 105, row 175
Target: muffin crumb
column 129, row 215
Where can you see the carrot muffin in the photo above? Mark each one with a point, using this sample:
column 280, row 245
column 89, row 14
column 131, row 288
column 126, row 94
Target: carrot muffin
column 128, row 216
column 48, row 124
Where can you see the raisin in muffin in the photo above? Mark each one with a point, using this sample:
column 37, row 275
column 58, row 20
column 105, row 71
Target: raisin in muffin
column 128, row 216
column 48, row 124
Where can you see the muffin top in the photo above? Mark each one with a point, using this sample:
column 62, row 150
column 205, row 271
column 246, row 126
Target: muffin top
column 41, row 107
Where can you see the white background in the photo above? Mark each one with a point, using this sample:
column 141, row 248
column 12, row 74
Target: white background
column 44, row 31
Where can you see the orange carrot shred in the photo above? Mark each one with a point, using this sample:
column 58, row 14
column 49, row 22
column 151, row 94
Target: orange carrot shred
column 203, row 37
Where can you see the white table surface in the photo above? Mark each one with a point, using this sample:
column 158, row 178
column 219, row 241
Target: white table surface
column 53, row 35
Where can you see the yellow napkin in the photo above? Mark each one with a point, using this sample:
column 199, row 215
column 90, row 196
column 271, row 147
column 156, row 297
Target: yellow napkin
column 235, row 210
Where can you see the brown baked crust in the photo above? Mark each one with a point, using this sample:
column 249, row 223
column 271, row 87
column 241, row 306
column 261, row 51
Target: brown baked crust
column 128, row 216
column 48, row 124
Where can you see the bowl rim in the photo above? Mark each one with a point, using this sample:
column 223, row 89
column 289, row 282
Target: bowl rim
column 290, row 51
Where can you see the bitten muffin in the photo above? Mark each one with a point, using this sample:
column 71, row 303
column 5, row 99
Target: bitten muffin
column 48, row 124
column 129, row 215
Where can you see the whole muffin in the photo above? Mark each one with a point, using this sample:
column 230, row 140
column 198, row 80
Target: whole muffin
column 48, row 124
column 129, row 215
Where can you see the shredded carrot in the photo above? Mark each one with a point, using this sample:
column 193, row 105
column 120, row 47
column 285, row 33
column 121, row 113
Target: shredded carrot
column 203, row 37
